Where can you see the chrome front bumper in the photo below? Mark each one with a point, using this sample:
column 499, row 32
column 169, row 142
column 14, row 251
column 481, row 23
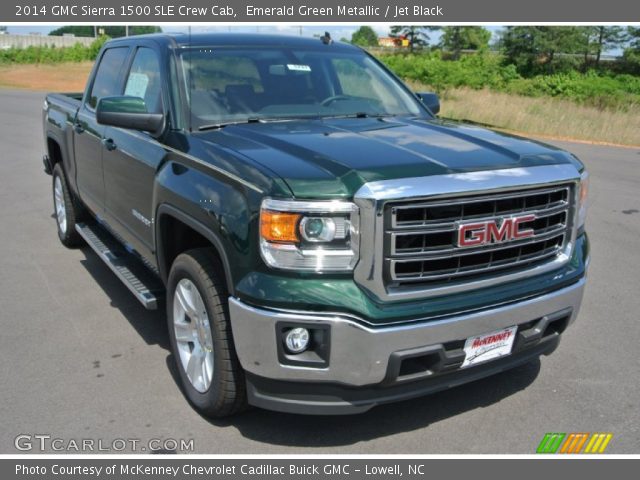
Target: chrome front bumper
column 360, row 355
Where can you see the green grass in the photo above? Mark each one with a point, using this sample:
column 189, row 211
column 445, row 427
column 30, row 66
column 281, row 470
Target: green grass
column 486, row 71
column 51, row 54
column 545, row 116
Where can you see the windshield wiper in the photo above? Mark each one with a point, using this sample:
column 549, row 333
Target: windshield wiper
column 360, row 115
column 216, row 126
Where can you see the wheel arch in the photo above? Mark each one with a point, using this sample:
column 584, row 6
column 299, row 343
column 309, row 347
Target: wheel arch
column 170, row 218
column 54, row 151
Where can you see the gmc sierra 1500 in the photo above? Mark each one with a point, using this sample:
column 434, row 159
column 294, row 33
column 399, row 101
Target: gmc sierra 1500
column 324, row 243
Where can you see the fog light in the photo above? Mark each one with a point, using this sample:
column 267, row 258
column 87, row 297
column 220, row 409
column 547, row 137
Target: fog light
column 297, row 340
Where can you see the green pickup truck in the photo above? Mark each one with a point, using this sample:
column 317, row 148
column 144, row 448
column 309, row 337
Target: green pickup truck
column 322, row 241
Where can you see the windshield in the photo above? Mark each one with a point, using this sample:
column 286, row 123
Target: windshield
column 229, row 85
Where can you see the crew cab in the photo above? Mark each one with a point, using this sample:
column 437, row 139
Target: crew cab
column 322, row 240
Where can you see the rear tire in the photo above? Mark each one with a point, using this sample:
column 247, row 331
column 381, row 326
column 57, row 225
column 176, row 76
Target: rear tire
column 200, row 333
column 66, row 210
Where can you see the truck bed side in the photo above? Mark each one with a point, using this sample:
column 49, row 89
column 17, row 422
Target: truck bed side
column 59, row 114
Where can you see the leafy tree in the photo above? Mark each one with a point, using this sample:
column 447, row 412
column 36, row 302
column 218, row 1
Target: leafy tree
column 519, row 47
column 632, row 53
column 608, row 37
column 111, row 31
column 77, row 30
column 418, row 35
column 540, row 49
column 365, row 37
column 456, row 39
column 558, row 40
column 96, row 45
column 633, row 36
column 599, row 39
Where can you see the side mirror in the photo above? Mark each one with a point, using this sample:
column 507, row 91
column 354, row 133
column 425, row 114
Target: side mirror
column 431, row 100
column 128, row 112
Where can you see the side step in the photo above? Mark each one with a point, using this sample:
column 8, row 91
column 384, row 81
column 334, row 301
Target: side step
column 143, row 283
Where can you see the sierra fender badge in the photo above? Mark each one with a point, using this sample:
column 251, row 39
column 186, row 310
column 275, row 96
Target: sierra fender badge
column 141, row 217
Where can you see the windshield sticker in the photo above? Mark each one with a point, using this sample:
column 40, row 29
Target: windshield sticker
column 136, row 85
column 299, row 68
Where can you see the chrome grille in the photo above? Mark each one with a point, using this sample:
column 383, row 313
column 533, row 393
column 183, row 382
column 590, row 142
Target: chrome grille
column 421, row 238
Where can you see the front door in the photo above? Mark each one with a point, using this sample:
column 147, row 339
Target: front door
column 132, row 158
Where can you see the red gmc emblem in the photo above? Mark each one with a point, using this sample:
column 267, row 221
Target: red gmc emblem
column 486, row 233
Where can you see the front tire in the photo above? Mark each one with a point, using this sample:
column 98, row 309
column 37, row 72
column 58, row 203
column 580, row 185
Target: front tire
column 200, row 334
column 67, row 211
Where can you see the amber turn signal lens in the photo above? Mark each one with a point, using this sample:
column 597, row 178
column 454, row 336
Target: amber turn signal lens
column 584, row 190
column 279, row 227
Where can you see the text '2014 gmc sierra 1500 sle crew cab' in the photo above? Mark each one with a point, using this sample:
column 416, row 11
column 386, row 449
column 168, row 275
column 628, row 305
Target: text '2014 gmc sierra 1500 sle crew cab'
column 323, row 242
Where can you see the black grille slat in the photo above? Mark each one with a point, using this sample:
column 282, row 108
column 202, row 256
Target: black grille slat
column 417, row 216
column 521, row 258
column 437, row 247
column 423, row 235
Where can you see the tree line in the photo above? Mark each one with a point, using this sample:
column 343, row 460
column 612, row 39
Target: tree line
column 111, row 31
column 532, row 49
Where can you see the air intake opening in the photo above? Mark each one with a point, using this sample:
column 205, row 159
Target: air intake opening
column 417, row 365
column 556, row 327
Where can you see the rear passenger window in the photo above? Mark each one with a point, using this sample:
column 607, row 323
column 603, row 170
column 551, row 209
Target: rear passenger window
column 143, row 80
column 106, row 82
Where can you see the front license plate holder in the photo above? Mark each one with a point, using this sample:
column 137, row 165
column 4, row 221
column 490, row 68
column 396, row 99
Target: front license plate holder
column 488, row 346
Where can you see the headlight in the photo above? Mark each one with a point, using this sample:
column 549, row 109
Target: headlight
column 582, row 199
column 320, row 236
column 321, row 229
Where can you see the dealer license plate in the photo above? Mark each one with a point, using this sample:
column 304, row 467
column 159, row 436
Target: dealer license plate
column 489, row 346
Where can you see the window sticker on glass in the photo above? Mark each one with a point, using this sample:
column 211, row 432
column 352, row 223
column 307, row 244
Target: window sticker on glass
column 137, row 85
column 299, row 68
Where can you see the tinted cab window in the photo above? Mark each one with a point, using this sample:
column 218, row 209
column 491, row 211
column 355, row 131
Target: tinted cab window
column 106, row 82
column 143, row 80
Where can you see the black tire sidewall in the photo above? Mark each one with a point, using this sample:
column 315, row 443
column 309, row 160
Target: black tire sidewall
column 65, row 236
column 187, row 267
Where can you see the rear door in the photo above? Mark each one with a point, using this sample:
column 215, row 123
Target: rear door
column 131, row 158
column 87, row 137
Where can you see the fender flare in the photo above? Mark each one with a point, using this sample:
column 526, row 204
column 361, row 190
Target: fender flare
column 206, row 232
column 50, row 135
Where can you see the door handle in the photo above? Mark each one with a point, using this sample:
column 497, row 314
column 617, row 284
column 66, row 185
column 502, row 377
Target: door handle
column 109, row 144
column 78, row 128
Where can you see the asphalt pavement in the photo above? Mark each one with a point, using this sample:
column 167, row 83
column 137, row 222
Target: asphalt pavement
column 80, row 358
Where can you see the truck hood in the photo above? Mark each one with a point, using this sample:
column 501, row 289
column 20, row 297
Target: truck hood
column 329, row 158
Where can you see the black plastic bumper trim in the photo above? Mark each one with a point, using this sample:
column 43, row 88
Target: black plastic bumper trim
column 333, row 399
